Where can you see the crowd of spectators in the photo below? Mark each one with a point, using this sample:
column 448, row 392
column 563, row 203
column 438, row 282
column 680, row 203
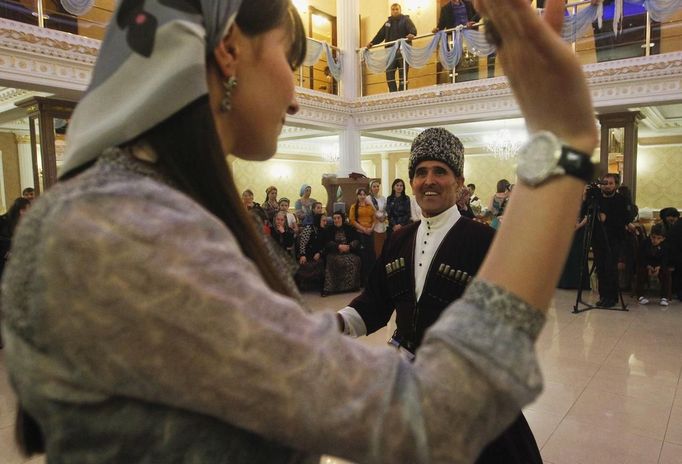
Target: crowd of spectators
column 335, row 252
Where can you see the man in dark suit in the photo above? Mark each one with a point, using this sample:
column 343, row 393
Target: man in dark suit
column 398, row 26
column 426, row 266
column 462, row 13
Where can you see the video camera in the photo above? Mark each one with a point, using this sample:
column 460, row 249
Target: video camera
column 593, row 191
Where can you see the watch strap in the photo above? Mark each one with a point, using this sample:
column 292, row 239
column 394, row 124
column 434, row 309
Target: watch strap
column 576, row 163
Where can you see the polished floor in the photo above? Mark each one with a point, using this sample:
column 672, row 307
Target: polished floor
column 612, row 395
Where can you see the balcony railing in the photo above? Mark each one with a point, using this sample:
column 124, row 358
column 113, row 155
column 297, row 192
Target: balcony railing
column 317, row 73
column 638, row 36
column 50, row 14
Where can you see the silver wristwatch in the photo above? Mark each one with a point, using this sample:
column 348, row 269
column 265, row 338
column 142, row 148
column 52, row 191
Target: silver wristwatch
column 544, row 156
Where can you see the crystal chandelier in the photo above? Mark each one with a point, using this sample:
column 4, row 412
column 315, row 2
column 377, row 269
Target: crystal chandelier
column 503, row 144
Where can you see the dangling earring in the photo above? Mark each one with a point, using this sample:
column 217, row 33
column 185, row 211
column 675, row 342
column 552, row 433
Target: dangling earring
column 229, row 84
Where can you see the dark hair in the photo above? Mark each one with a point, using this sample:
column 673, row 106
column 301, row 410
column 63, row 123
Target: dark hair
column 205, row 176
column 28, row 190
column 612, row 175
column 357, row 202
column 658, row 229
column 340, row 213
column 256, row 17
column 267, row 194
column 670, row 211
column 395, row 182
column 471, row 186
column 502, row 185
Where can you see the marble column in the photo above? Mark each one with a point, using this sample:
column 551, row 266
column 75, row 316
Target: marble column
column 385, row 184
column 348, row 27
column 25, row 161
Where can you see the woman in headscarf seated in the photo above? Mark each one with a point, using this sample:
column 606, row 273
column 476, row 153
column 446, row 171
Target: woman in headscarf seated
column 303, row 207
column 309, row 255
column 343, row 269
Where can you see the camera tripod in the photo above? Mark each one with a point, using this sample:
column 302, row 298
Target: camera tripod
column 592, row 220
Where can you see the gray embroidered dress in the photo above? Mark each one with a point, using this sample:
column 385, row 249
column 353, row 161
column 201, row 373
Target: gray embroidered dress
column 137, row 332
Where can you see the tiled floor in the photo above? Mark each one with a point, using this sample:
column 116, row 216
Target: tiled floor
column 612, row 395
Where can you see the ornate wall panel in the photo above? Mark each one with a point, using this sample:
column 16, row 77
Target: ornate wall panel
column 659, row 170
column 286, row 175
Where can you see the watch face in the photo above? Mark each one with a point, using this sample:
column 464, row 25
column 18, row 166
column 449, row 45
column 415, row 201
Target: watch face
column 538, row 159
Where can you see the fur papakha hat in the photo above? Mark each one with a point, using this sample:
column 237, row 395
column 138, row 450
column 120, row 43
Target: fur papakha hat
column 437, row 144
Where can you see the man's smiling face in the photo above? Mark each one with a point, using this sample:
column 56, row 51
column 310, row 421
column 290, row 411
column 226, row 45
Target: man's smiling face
column 435, row 187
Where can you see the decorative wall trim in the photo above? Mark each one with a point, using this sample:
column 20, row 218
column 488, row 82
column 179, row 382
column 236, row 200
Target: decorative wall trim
column 48, row 42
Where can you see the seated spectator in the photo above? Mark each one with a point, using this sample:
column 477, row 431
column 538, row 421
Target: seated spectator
column 669, row 216
column 463, row 201
column 310, row 274
column 29, row 193
column 397, row 207
column 343, row 268
column 318, row 208
column 362, row 219
column 271, row 205
column 256, row 211
column 654, row 264
column 304, row 206
column 499, row 201
column 281, row 233
column 291, row 218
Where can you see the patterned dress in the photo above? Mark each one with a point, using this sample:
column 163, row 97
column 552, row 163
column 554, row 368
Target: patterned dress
column 343, row 270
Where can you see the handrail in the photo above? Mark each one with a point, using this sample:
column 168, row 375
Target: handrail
column 322, row 42
column 480, row 23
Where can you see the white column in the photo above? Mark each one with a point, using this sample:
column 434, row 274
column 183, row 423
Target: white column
column 348, row 27
column 348, row 12
column 349, row 150
column 385, row 186
column 25, row 162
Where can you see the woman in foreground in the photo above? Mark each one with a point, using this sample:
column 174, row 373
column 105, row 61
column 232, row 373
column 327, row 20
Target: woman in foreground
column 143, row 323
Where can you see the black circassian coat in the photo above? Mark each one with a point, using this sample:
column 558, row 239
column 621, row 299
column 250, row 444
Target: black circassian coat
column 463, row 249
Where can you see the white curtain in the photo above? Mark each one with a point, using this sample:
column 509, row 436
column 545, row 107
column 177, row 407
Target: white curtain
column 378, row 59
column 660, row 10
column 314, row 52
column 575, row 25
column 77, row 7
column 419, row 57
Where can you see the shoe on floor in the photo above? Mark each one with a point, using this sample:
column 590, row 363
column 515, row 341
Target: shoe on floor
column 663, row 302
column 606, row 303
column 643, row 300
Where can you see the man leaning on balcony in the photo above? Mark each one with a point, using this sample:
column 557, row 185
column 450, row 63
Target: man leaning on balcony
column 398, row 26
column 461, row 12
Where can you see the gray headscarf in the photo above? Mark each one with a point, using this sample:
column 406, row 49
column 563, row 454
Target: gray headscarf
column 151, row 64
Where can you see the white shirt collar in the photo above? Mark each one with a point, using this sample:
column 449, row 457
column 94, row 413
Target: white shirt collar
column 446, row 219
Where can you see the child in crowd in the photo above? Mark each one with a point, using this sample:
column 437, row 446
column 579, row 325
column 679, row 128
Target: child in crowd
column 653, row 262
column 291, row 218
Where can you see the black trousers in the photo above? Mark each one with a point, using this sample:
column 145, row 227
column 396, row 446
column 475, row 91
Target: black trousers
column 606, row 259
column 516, row 445
column 397, row 66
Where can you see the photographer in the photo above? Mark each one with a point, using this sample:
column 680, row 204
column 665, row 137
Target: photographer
column 607, row 238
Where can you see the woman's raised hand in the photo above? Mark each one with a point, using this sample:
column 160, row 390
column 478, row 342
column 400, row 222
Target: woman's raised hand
column 544, row 74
